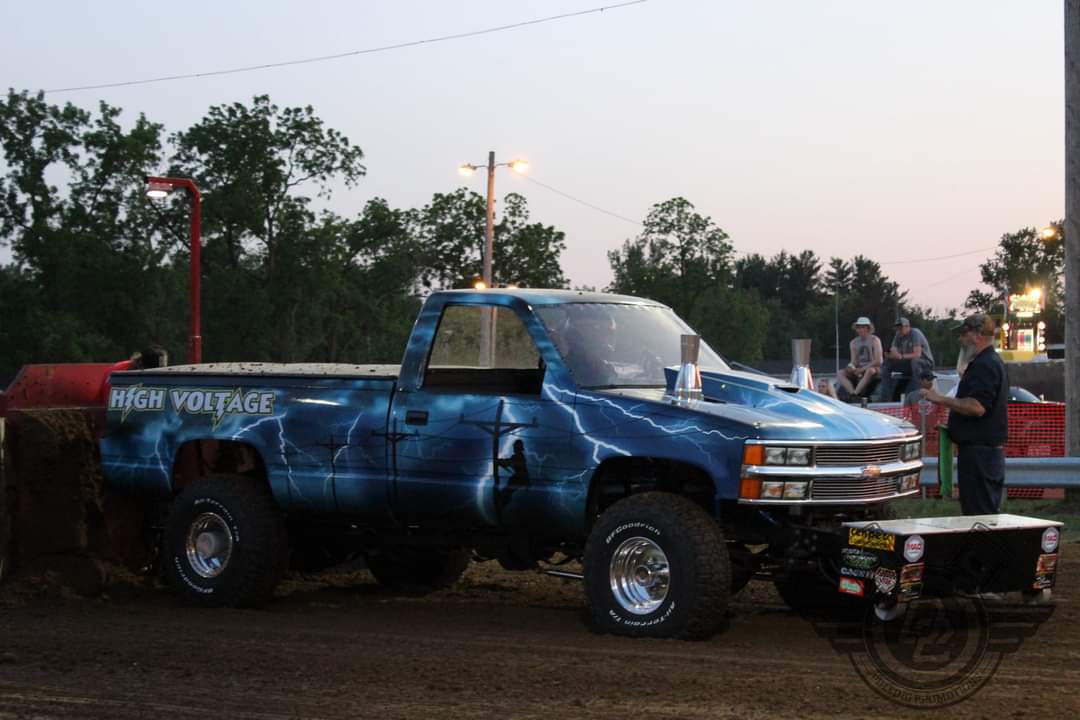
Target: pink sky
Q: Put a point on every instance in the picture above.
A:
(902, 131)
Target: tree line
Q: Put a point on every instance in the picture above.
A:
(98, 271)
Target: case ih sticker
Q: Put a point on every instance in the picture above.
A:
(870, 538)
(219, 404)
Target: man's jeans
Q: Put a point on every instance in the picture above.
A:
(981, 474)
(909, 370)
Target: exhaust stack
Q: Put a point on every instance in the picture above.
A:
(688, 382)
(800, 359)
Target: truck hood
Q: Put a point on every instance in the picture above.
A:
(780, 410)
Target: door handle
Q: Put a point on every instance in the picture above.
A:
(416, 417)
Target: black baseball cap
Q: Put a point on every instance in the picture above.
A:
(927, 375)
(980, 323)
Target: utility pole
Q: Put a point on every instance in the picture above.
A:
(489, 228)
(1072, 227)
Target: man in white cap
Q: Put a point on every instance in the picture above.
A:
(866, 359)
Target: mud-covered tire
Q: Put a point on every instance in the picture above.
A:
(418, 569)
(695, 558)
(233, 512)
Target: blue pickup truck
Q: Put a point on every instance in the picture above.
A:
(522, 425)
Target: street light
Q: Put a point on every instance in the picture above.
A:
(1049, 233)
(487, 323)
(158, 188)
(467, 169)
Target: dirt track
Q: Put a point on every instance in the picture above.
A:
(498, 645)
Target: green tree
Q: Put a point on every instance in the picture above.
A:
(1024, 260)
(450, 231)
(684, 260)
(99, 289)
(267, 263)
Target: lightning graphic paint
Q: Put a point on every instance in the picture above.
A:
(385, 451)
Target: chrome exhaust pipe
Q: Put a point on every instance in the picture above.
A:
(688, 383)
(800, 360)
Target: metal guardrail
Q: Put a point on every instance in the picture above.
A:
(1048, 472)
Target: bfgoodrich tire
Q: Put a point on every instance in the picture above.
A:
(224, 542)
(656, 565)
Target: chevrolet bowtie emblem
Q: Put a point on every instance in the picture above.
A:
(871, 471)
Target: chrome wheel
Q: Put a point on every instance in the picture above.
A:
(639, 575)
(209, 545)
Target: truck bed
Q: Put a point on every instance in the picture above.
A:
(343, 370)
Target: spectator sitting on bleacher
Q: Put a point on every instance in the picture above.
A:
(909, 355)
(866, 359)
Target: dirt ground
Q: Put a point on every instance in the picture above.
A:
(497, 645)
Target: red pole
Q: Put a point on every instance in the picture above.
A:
(195, 351)
(195, 341)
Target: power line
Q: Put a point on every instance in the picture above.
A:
(353, 53)
(943, 257)
(965, 271)
(568, 196)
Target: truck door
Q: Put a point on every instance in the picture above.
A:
(478, 443)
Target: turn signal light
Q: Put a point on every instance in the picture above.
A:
(750, 488)
(753, 455)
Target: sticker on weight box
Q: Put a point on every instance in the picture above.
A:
(871, 538)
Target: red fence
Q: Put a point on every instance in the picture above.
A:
(1035, 430)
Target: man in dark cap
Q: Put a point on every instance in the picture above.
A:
(979, 420)
(909, 356)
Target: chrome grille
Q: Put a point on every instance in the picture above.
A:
(851, 455)
(843, 489)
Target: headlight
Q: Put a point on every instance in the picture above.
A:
(780, 490)
(798, 456)
(772, 490)
(911, 451)
(775, 456)
(795, 490)
(787, 456)
(909, 482)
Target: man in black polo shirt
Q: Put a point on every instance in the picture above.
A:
(979, 420)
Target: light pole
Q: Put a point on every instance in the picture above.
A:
(487, 324)
(467, 169)
(158, 188)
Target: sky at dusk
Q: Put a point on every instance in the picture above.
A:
(902, 131)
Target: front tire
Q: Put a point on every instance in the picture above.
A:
(224, 542)
(656, 565)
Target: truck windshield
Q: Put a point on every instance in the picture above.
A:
(615, 345)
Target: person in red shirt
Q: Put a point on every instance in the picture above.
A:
(153, 356)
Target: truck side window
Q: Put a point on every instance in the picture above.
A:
(463, 357)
